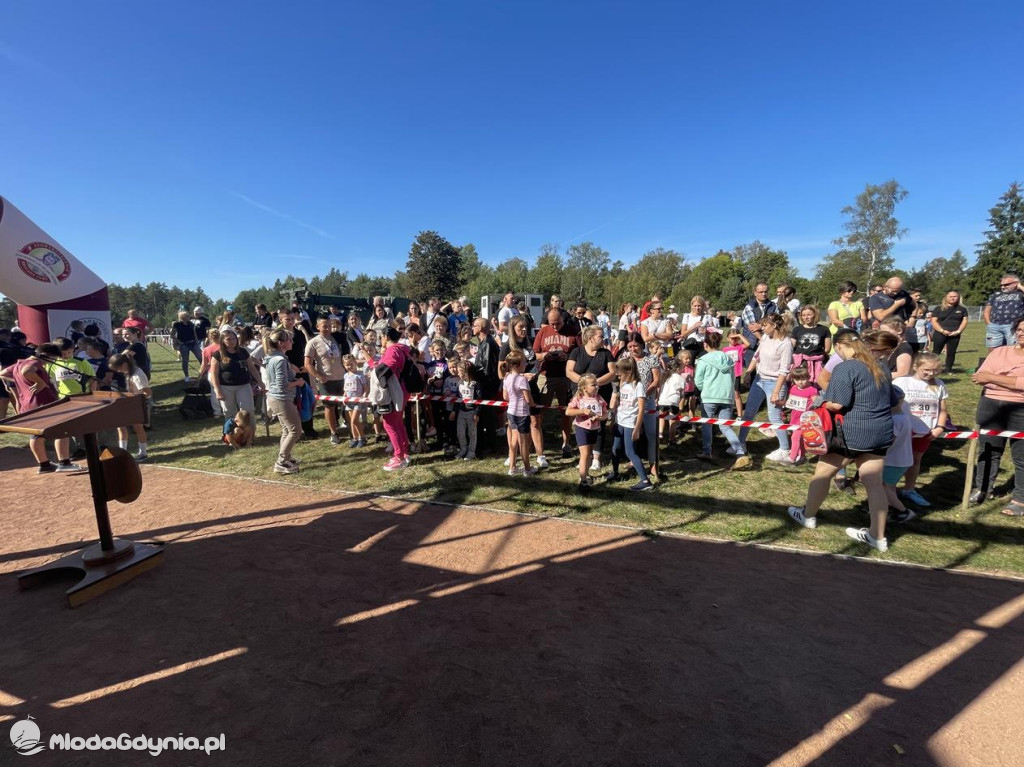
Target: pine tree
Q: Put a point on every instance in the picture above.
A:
(1003, 249)
(434, 267)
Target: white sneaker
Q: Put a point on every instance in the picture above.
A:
(776, 456)
(864, 536)
(529, 472)
(516, 472)
(506, 464)
(797, 514)
(285, 468)
(595, 465)
(542, 462)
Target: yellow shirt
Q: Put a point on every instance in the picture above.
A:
(852, 310)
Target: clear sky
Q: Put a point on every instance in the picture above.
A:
(227, 143)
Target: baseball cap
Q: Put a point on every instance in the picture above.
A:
(229, 308)
(197, 309)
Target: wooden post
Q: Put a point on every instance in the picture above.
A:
(972, 460)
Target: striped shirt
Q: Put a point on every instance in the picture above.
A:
(867, 407)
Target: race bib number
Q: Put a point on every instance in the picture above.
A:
(800, 404)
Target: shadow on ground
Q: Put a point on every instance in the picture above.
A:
(360, 631)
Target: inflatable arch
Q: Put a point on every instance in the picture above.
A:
(50, 286)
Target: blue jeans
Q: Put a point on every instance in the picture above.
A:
(651, 435)
(624, 442)
(761, 392)
(998, 335)
(718, 410)
(196, 348)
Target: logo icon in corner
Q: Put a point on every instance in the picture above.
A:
(43, 262)
(25, 737)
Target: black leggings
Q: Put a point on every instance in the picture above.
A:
(1002, 416)
(950, 343)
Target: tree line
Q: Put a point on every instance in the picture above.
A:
(586, 271)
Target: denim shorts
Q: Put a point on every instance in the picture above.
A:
(998, 335)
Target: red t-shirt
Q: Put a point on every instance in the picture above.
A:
(556, 345)
(138, 323)
(645, 311)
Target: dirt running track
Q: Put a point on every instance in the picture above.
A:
(313, 629)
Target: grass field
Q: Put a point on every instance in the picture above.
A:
(697, 499)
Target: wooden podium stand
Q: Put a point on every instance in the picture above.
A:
(112, 561)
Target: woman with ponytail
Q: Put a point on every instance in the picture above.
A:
(861, 392)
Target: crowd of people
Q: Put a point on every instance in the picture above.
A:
(614, 385)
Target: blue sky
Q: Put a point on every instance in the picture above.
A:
(229, 143)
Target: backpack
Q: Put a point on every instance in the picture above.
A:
(412, 377)
(821, 432)
(384, 395)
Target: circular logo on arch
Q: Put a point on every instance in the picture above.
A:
(44, 263)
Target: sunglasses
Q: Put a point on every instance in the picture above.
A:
(1007, 284)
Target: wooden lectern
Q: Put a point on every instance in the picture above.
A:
(112, 561)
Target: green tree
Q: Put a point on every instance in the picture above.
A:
(8, 313)
(718, 278)
(513, 274)
(472, 267)
(865, 252)
(434, 267)
(1003, 249)
(939, 276)
(365, 286)
(546, 274)
(585, 265)
(759, 263)
(657, 271)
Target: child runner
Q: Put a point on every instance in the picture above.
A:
(898, 458)
(466, 415)
(716, 379)
(138, 384)
(628, 403)
(687, 370)
(354, 386)
(239, 431)
(801, 394)
(450, 388)
(669, 399)
(734, 351)
(517, 392)
(589, 410)
(926, 401)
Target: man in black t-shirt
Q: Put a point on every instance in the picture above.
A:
(893, 300)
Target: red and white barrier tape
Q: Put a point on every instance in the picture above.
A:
(680, 418)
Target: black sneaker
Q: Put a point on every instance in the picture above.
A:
(641, 486)
(901, 517)
(335, 438)
(612, 476)
(46, 468)
(566, 451)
